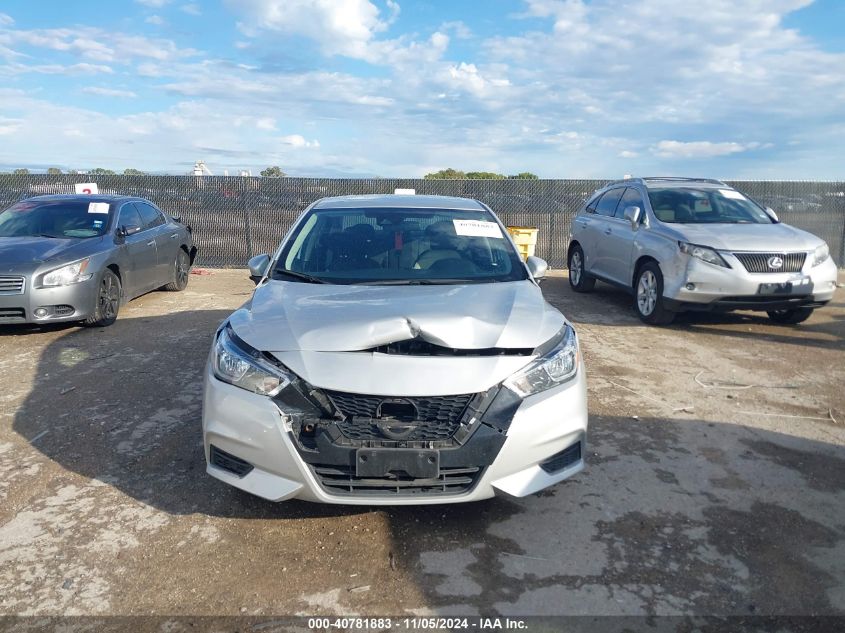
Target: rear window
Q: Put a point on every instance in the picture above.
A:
(55, 219)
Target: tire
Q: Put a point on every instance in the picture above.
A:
(790, 317)
(107, 303)
(648, 296)
(181, 272)
(578, 278)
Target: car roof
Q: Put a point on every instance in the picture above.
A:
(672, 181)
(90, 197)
(393, 201)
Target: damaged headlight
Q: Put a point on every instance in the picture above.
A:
(821, 254)
(66, 275)
(553, 368)
(704, 253)
(239, 365)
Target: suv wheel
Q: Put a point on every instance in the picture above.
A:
(107, 302)
(578, 277)
(790, 317)
(648, 296)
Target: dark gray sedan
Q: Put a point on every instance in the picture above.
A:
(79, 257)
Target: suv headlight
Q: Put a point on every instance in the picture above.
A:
(237, 364)
(821, 254)
(704, 253)
(555, 367)
(66, 275)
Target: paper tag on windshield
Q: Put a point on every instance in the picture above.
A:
(730, 193)
(477, 228)
(98, 207)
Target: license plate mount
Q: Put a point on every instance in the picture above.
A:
(782, 288)
(382, 462)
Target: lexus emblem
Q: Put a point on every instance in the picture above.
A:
(775, 262)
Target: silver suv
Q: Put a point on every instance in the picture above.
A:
(696, 244)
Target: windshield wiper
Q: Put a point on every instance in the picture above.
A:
(300, 276)
(414, 282)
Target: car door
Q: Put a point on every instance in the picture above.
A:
(166, 240)
(139, 252)
(583, 231)
(601, 225)
(617, 245)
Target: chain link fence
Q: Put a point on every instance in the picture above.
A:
(237, 217)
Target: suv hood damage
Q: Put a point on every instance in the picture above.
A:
(748, 237)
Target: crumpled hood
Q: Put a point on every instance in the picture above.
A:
(748, 237)
(18, 254)
(291, 316)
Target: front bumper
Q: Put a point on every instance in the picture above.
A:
(724, 289)
(256, 430)
(74, 302)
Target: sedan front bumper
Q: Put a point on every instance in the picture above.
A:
(544, 444)
(74, 302)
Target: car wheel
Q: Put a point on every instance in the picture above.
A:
(108, 301)
(181, 272)
(790, 317)
(578, 277)
(648, 296)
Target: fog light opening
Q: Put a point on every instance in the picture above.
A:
(40, 312)
(690, 286)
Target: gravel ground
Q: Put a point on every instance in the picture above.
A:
(715, 483)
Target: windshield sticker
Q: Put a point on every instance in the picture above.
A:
(98, 207)
(733, 195)
(477, 228)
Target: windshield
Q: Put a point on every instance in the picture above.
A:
(681, 205)
(58, 219)
(399, 246)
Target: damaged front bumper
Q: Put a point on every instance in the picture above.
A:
(300, 445)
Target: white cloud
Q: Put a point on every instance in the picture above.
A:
(6, 20)
(191, 8)
(109, 92)
(627, 153)
(296, 140)
(56, 69)
(458, 28)
(153, 4)
(700, 149)
(155, 19)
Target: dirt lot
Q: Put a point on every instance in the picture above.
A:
(698, 499)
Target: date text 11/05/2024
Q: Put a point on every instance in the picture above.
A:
(415, 624)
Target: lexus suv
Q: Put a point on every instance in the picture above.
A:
(697, 244)
(396, 350)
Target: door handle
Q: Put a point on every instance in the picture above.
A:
(151, 243)
(608, 231)
(173, 236)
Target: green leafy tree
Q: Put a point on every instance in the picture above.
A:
(524, 175)
(54, 171)
(446, 174)
(21, 171)
(273, 172)
(484, 175)
(133, 172)
(100, 171)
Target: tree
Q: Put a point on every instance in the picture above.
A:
(133, 172)
(525, 175)
(273, 172)
(100, 171)
(484, 175)
(21, 172)
(446, 174)
(54, 171)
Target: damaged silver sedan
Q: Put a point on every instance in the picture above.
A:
(396, 350)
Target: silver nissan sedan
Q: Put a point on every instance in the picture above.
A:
(396, 350)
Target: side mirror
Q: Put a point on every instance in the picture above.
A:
(771, 213)
(632, 214)
(128, 229)
(537, 267)
(258, 266)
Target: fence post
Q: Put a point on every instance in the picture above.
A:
(247, 218)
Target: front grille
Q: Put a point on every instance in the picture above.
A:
(341, 480)
(759, 262)
(229, 462)
(435, 417)
(559, 461)
(12, 314)
(11, 285)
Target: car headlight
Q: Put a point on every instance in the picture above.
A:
(703, 253)
(66, 275)
(237, 364)
(555, 367)
(821, 254)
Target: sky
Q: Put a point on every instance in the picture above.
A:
(741, 89)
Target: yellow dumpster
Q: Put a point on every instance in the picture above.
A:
(525, 238)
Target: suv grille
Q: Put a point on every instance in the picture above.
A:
(11, 285)
(342, 480)
(760, 262)
(435, 417)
